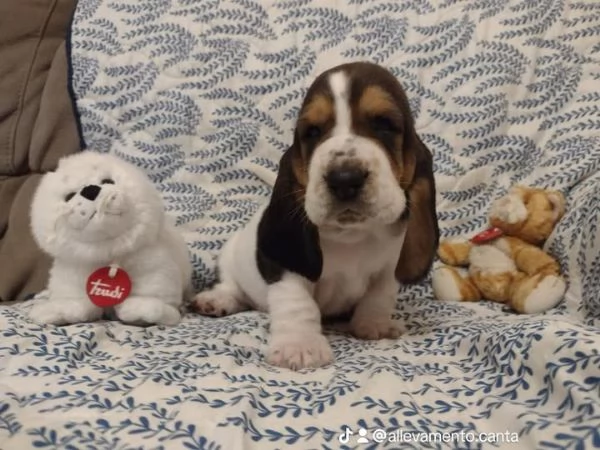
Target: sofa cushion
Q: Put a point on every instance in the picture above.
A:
(37, 127)
(31, 32)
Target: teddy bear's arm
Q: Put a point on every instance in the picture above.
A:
(454, 253)
(528, 258)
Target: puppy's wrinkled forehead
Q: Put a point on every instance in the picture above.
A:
(342, 99)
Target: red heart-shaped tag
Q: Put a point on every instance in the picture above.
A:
(486, 236)
(105, 291)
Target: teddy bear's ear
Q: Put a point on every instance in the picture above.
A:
(558, 202)
(519, 190)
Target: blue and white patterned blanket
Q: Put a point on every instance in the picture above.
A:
(202, 94)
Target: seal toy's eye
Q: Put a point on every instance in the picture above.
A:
(69, 196)
(107, 181)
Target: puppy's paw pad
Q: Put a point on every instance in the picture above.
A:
(299, 351)
(216, 304)
(377, 330)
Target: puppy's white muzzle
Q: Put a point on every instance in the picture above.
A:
(351, 184)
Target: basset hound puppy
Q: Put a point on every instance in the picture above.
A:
(352, 214)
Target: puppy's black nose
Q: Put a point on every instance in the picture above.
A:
(345, 183)
(90, 192)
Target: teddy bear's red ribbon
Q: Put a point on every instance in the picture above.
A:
(486, 236)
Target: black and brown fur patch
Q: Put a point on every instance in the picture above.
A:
(317, 112)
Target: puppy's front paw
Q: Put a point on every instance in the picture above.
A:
(299, 350)
(217, 303)
(64, 312)
(148, 311)
(375, 329)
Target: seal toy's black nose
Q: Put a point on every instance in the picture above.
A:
(90, 192)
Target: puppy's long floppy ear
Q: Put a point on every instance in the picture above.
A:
(422, 236)
(287, 240)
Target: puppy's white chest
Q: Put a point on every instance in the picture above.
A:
(348, 271)
(339, 292)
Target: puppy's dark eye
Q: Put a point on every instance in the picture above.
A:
(382, 124)
(107, 181)
(69, 196)
(312, 133)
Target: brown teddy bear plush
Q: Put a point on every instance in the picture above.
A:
(506, 263)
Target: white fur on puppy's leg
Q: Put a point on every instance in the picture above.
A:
(223, 299)
(147, 310)
(296, 338)
(375, 328)
(64, 311)
(545, 296)
(372, 318)
(298, 350)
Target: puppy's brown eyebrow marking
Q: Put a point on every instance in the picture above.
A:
(375, 100)
(319, 110)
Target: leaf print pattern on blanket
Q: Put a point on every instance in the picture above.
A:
(202, 95)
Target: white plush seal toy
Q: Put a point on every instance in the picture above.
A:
(104, 224)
